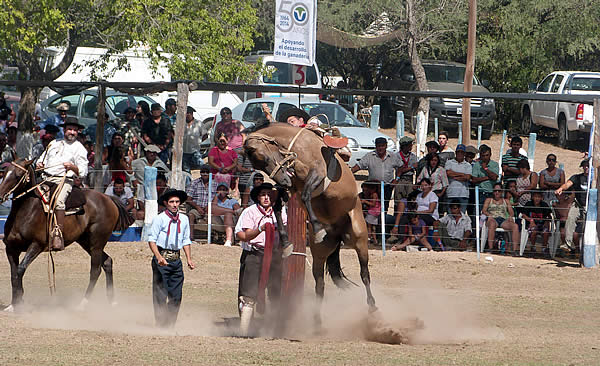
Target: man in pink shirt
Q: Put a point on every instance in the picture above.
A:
(250, 230)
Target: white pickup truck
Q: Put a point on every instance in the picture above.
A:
(569, 118)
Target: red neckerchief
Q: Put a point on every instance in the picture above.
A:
(403, 159)
(174, 219)
(264, 213)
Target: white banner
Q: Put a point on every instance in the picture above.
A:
(295, 31)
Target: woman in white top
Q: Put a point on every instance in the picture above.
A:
(427, 206)
(435, 173)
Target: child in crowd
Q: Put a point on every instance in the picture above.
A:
(537, 214)
(561, 208)
(417, 233)
(370, 201)
(225, 211)
(511, 193)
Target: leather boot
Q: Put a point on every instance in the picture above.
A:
(58, 243)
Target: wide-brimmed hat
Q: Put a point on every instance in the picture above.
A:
(472, 149)
(63, 107)
(152, 148)
(171, 193)
(51, 129)
(296, 112)
(71, 121)
(256, 190)
(432, 143)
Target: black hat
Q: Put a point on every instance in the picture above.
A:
(432, 144)
(51, 129)
(155, 107)
(256, 190)
(71, 121)
(584, 162)
(296, 112)
(190, 109)
(173, 192)
(170, 101)
(380, 140)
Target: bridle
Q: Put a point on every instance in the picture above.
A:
(25, 178)
(289, 157)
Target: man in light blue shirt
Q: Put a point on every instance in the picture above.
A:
(169, 233)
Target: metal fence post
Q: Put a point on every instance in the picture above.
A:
(479, 128)
(375, 117)
(356, 110)
(209, 235)
(477, 229)
(460, 136)
(502, 152)
(399, 128)
(382, 198)
(436, 127)
(531, 150)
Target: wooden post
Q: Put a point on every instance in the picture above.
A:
(294, 266)
(595, 167)
(99, 147)
(177, 181)
(469, 72)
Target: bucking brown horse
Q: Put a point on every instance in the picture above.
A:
(26, 228)
(299, 160)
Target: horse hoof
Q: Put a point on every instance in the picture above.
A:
(9, 309)
(82, 305)
(320, 236)
(287, 251)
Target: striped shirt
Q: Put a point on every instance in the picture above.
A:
(198, 191)
(511, 161)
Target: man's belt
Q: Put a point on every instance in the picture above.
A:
(169, 255)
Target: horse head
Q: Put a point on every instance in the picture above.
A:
(268, 155)
(17, 175)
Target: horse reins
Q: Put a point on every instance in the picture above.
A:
(289, 156)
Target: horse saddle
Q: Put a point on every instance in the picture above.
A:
(74, 203)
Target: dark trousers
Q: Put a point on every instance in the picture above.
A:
(167, 286)
(250, 269)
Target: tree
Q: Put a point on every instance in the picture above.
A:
(197, 39)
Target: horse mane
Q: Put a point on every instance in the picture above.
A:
(259, 126)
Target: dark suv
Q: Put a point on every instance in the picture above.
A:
(442, 76)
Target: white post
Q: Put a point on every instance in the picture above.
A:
(375, 118)
(460, 133)
(477, 229)
(209, 234)
(502, 152)
(399, 128)
(150, 199)
(382, 219)
(479, 128)
(436, 127)
(531, 150)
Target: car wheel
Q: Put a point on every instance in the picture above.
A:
(563, 134)
(527, 125)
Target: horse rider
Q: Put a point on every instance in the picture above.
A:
(250, 230)
(169, 234)
(63, 160)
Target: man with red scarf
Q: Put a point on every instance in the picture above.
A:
(169, 234)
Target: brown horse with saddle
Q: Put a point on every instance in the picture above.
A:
(298, 159)
(90, 224)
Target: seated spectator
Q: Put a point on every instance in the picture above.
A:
(459, 175)
(432, 147)
(417, 233)
(257, 179)
(117, 141)
(511, 159)
(500, 213)
(157, 131)
(230, 128)
(371, 201)
(197, 193)
(435, 173)
(138, 165)
(245, 173)
(511, 193)
(551, 179)
(537, 216)
(526, 182)
(7, 152)
(402, 209)
(455, 227)
(123, 193)
(225, 211)
(119, 164)
(427, 207)
(45, 139)
(222, 160)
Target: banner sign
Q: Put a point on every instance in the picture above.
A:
(295, 31)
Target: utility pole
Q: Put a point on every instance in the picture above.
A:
(469, 72)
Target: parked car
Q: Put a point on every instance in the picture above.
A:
(361, 139)
(84, 104)
(443, 76)
(568, 118)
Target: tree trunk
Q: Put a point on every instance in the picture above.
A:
(25, 138)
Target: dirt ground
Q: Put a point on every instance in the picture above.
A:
(509, 311)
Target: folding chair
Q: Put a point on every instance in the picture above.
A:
(484, 233)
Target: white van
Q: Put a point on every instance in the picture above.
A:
(283, 74)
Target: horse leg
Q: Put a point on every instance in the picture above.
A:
(95, 269)
(313, 179)
(17, 271)
(107, 266)
(318, 270)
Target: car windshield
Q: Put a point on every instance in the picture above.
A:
(336, 115)
(447, 74)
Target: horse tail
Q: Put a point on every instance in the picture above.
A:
(125, 219)
(334, 267)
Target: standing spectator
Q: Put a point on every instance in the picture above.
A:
(131, 129)
(171, 111)
(509, 139)
(123, 193)
(222, 160)
(370, 200)
(459, 175)
(40, 147)
(470, 154)
(116, 142)
(224, 210)
(406, 171)
(432, 147)
(59, 118)
(537, 215)
(192, 136)
(109, 131)
(230, 128)
(500, 213)
(169, 233)
(245, 172)
(7, 115)
(138, 165)
(485, 173)
(446, 152)
(455, 228)
(143, 109)
(511, 159)
(119, 164)
(6, 151)
(435, 173)
(198, 198)
(156, 131)
(380, 164)
(11, 134)
(551, 179)
(526, 182)
(578, 184)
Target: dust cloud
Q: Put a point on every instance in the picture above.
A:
(421, 314)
